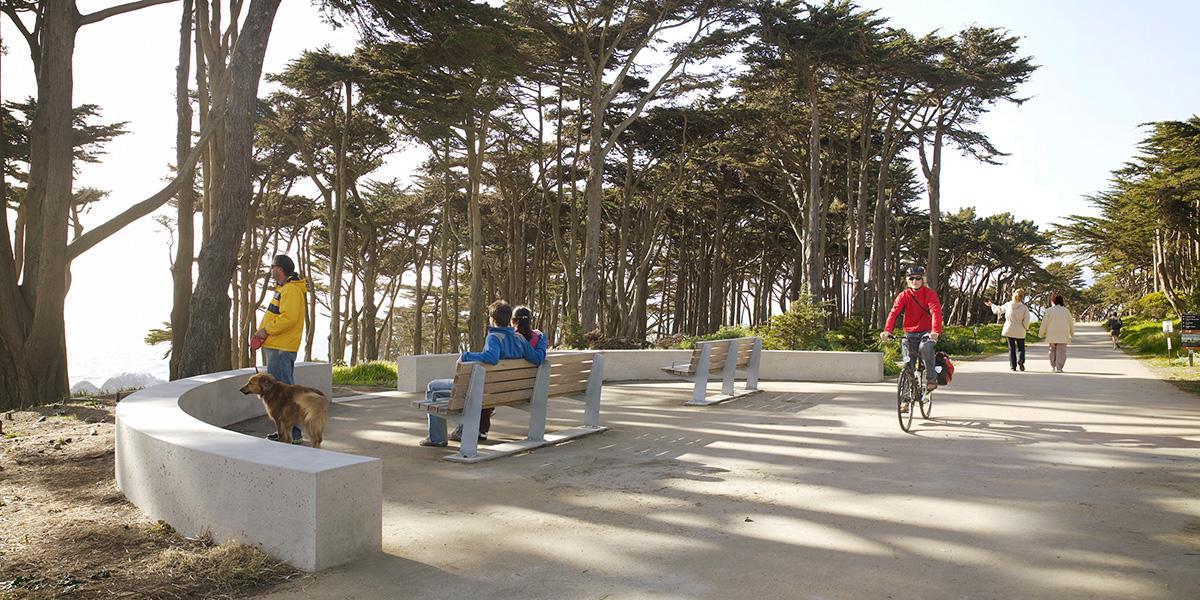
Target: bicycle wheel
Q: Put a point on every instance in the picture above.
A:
(927, 404)
(905, 388)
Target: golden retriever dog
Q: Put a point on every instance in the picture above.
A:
(290, 405)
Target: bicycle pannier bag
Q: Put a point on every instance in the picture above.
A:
(944, 368)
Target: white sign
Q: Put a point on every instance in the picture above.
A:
(1168, 326)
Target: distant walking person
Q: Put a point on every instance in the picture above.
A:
(282, 325)
(1058, 326)
(1114, 329)
(1016, 325)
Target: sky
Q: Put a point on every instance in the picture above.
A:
(1106, 67)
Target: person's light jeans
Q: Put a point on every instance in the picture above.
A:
(281, 364)
(919, 343)
(436, 390)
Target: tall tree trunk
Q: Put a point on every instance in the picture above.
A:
(181, 270)
(476, 137)
(814, 255)
(337, 342)
(205, 350)
(592, 278)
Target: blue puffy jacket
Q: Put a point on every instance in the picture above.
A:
(503, 343)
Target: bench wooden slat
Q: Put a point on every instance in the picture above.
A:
(570, 370)
(507, 397)
(567, 387)
(490, 387)
(570, 358)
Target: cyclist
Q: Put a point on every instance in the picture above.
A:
(922, 323)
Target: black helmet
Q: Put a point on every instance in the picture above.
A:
(916, 270)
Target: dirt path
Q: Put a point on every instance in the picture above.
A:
(1024, 485)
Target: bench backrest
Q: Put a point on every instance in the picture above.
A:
(719, 352)
(569, 372)
(507, 382)
(512, 381)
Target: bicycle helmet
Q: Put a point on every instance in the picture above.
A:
(916, 270)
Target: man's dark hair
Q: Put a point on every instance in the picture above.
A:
(283, 262)
(1056, 299)
(501, 313)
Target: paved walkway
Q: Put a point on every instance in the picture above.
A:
(1024, 485)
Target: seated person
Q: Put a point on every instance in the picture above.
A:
(502, 342)
(523, 322)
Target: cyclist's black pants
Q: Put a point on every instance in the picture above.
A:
(919, 343)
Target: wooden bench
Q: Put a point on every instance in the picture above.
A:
(726, 356)
(519, 384)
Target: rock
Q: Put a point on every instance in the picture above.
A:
(85, 388)
(129, 381)
(94, 432)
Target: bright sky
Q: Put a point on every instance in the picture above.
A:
(1106, 67)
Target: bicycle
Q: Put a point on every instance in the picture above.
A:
(910, 390)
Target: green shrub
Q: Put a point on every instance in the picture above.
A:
(726, 332)
(1145, 336)
(1153, 306)
(802, 327)
(891, 358)
(379, 372)
(856, 334)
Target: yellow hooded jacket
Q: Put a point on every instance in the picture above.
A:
(284, 319)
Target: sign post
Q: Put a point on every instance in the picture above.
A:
(1189, 327)
(1168, 329)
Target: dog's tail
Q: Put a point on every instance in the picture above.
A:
(316, 413)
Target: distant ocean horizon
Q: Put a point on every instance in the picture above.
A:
(96, 360)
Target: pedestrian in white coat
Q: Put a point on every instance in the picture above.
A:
(1058, 326)
(1016, 325)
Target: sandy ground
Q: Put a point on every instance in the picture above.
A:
(1023, 485)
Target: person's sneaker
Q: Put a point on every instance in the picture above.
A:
(930, 386)
(456, 435)
(904, 408)
(1021, 366)
(1012, 368)
(431, 444)
(274, 437)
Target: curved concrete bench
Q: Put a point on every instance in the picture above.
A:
(414, 372)
(311, 508)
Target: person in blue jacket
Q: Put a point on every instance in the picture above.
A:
(502, 342)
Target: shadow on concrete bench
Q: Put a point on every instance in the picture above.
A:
(522, 385)
(726, 356)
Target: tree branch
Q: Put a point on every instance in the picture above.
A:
(120, 9)
(96, 235)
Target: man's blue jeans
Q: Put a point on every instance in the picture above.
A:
(438, 389)
(282, 366)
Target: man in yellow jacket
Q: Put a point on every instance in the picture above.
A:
(282, 325)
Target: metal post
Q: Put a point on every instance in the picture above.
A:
(700, 390)
(729, 373)
(591, 411)
(752, 368)
(474, 405)
(539, 403)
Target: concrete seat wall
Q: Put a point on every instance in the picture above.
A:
(414, 372)
(311, 508)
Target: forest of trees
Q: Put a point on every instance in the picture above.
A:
(638, 168)
(1146, 239)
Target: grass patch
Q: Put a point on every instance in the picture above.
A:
(1144, 339)
(380, 373)
(223, 568)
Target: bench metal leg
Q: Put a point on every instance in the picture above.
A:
(700, 390)
(469, 446)
(539, 404)
(729, 373)
(752, 368)
(591, 411)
